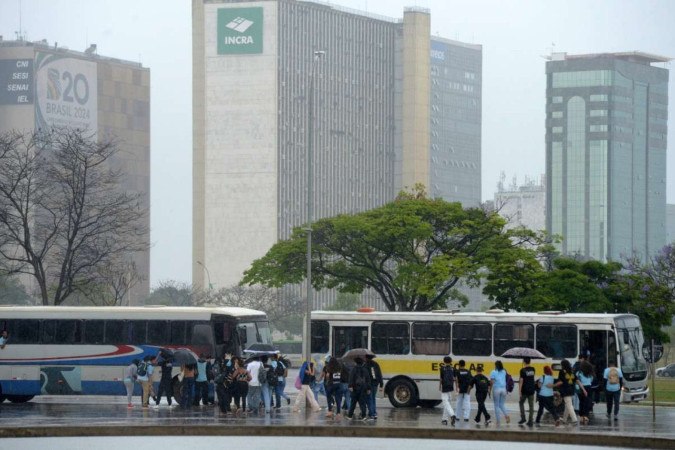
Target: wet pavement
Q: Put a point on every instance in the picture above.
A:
(81, 416)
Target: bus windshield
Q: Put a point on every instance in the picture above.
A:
(254, 333)
(629, 335)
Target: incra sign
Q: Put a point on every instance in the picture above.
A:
(240, 31)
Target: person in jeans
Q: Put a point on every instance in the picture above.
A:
(281, 372)
(527, 389)
(566, 382)
(546, 383)
(360, 384)
(482, 385)
(447, 387)
(463, 376)
(130, 379)
(188, 390)
(332, 375)
(613, 378)
(307, 377)
(498, 388)
(201, 382)
(265, 388)
(376, 382)
(254, 388)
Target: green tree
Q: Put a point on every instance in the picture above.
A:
(345, 302)
(171, 293)
(412, 252)
(13, 293)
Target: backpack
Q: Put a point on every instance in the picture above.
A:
(271, 376)
(613, 376)
(448, 376)
(509, 383)
(142, 369)
(280, 370)
(360, 377)
(262, 374)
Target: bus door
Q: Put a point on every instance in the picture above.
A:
(599, 343)
(348, 337)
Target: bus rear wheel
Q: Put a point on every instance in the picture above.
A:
(402, 394)
(20, 398)
(428, 403)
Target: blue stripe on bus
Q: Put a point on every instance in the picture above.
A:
(20, 387)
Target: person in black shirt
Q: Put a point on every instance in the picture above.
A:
(527, 390)
(447, 386)
(566, 381)
(482, 385)
(463, 388)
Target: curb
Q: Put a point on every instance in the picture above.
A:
(352, 431)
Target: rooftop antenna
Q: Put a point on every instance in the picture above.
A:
(20, 37)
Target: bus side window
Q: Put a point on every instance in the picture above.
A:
(431, 338)
(68, 332)
(472, 339)
(93, 331)
(177, 332)
(115, 332)
(137, 331)
(390, 338)
(158, 332)
(23, 331)
(201, 334)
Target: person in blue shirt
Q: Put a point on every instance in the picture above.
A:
(585, 376)
(201, 382)
(613, 383)
(498, 383)
(545, 397)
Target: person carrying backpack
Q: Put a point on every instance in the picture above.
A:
(281, 372)
(360, 383)
(447, 387)
(482, 385)
(613, 383)
(306, 376)
(332, 376)
(567, 381)
(144, 379)
(267, 380)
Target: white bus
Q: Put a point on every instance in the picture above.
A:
(84, 350)
(411, 345)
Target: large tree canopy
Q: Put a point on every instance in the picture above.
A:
(412, 252)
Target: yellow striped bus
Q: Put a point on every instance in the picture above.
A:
(411, 345)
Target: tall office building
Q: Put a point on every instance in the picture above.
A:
(524, 205)
(392, 107)
(45, 85)
(606, 133)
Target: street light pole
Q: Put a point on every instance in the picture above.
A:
(208, 275)
(307, 329)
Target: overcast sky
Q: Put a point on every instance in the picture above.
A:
(514, 34)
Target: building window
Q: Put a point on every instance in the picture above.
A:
(598, 128)
(599, 97)
(557, 114)
(582, 78)
(556, 99)
(557, 130)
(598, 112)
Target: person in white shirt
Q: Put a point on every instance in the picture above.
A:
(254, 388)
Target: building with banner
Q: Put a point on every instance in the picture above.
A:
(45, 86)
(393, 107)
(606, 130)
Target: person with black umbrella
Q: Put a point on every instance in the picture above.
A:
(360, 383)
(165, 381)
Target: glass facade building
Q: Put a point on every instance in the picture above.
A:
(606, 154)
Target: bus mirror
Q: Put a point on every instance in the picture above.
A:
(626, 337)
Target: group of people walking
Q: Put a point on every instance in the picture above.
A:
(577, 381)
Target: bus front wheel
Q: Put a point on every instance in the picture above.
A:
(402, 394)
(20, 398)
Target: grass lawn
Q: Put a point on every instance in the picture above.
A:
(665, 390)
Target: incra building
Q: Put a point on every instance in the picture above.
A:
(393, 107)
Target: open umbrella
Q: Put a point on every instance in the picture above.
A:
(522, 352)
(183, 356)
(357, 353)
(261, 349)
